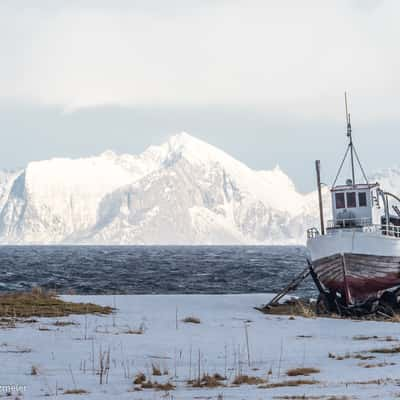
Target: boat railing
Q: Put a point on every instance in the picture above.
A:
(364, 225)
(360, 225)
(349, 223)
(385, 229)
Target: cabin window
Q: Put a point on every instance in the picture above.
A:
(362, 199)
(351, 199)
(339, 199)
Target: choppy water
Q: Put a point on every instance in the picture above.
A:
(151, 269)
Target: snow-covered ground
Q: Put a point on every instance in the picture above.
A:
(64, 356)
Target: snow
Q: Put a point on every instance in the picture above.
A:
(389, 179)
(63, 355)
(184, 191)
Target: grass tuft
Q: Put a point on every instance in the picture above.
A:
(39, 303)
(134, 332)
(346, 356)
(34, 370)
(75, 391)
(64, 323)
(386, 350)
(155, 370)
(364, 337)
(209, 381)
(302, 371)
(298, 382)
(139, 378)
(382, 364)
(248, 380)
(158, 386)
(191, 320)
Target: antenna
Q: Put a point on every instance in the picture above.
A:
(350, 149)
(348, 122)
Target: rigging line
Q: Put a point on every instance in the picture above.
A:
(360, 165)
(341, 165)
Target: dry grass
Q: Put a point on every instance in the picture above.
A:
(147, 385)
(386, 350)
(139, 378)
(64, 323)
(346, 356)
(134, 332)
(395, 318)
(293, 307)
(378, 365)
(17, 350)
(191, 320)
(248, 380)
(75, 391)
(39, 303)
(383, 339)
(158, 386)
(307, 309)
(371, 382)
(363, 357)
(363, 337)
(298, 382)
(155, 370)
(165, 386)
(302, 371)
(209, 381)
(339, 357)
(34, 370)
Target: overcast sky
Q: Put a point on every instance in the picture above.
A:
(262, 79)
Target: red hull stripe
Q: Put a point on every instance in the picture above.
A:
(365, 274)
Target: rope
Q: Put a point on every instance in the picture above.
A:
(361, 167)
(341, 165)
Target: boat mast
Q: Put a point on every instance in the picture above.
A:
(352, 150)
(351, 147)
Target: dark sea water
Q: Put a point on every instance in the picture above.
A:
(152, 269)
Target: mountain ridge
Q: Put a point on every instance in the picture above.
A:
(183, 191)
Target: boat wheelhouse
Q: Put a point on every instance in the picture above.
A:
(363, 206)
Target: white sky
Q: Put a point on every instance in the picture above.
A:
(286, 60)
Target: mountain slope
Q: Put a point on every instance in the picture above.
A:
(52, 199)
(201, 195)
(184, 191)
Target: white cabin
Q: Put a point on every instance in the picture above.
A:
(356, 205)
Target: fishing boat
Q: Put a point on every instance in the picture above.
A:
(357, 255)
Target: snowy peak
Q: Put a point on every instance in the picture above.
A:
(198, 152)
(184, 191)
(273, 187)
(389, 179)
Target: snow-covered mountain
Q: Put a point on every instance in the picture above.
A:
(182, 192)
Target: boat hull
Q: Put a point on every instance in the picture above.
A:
(356, 264)
(358, 276)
